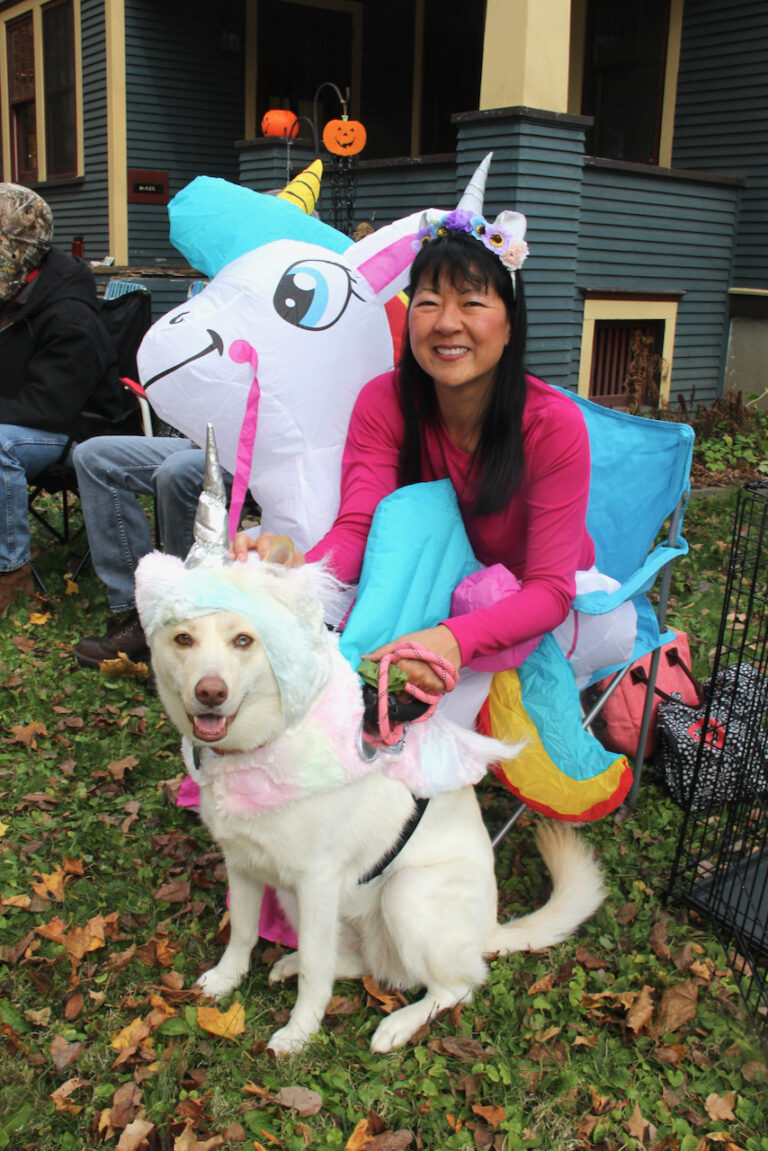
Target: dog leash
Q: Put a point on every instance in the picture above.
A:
(385, 715)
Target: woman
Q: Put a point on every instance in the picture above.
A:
(460, 405)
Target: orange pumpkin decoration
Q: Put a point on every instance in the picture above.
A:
(344, 137)
(280, 122)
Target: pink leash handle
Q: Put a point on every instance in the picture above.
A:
(390, 734)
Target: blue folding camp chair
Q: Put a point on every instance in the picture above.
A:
(639, 484)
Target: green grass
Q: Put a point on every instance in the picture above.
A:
(549, 1055)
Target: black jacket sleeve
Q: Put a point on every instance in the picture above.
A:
(70, 356)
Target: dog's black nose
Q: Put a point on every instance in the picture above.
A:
(211, 690)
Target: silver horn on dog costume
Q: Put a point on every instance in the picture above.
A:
(211, 528)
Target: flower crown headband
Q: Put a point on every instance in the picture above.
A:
(504, 236)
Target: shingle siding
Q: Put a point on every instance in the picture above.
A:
(184, 109)
(721, 120)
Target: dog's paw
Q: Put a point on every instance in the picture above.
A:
(393, 1032)
(285, 968)
(217, 983)
(287, 1041)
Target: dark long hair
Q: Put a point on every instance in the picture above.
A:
(499, 452)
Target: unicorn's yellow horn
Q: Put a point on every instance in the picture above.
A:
(304, 189)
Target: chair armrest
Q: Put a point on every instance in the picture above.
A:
(600, 602)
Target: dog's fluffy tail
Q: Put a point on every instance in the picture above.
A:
(577, 892)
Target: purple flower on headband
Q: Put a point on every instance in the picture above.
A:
(459, 220)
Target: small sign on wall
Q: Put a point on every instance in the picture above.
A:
(145, 187)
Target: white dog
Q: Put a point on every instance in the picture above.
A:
(270, 713)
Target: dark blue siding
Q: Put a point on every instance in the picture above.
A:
(721, 121)
(654, 234)
(185, 101)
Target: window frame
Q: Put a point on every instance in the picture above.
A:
(8, 17)
(628, 308)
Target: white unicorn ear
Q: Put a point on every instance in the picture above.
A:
(384, 258)
(513, 224)
(158, 578)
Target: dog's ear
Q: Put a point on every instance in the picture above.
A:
(281, 552)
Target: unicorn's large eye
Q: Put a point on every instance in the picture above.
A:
(313, 294)
(179, 319)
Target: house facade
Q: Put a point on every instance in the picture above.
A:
(632, 135)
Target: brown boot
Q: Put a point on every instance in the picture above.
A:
(15, 585)
(126, 635)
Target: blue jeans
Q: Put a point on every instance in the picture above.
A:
(24, 453)
(112, 472)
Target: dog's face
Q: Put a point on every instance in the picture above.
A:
(216, 682)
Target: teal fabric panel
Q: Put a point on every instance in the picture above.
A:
(417, 553)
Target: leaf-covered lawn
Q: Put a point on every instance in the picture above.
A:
(113, 900)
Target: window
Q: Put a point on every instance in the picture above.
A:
(41, 53)
(21, 83)
(622, 333)
(626, 362)
(59, 64)
(624, 75)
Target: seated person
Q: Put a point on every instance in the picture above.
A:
(112, 472)
(56, 357)
(516, 451)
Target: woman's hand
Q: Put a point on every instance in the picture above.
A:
(437, 640)
(267, 546)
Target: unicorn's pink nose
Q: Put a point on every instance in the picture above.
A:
(244, 353)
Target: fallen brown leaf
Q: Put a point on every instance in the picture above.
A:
(176, 891)
(27, 733)
(63, 1054)
(658, 940)
(134, 1135)
(228, 1024)
(391, 1141)
(122, 666)
(388, 1001)
(359, 1138)
(300, 1099)
(491, 1114)
(125, 1103)
(721, 1106)
(118, 767)
(51, 885)
(188, 1141)
(677, 1007)
(640, 1013)
(61, 1097)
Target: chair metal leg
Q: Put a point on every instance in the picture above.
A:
(509, 824)
(39, 580)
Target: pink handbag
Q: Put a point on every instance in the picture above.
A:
(622, 713)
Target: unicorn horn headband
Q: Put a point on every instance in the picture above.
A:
(504, 236)
(211, 531)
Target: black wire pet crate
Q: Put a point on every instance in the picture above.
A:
(721, 863)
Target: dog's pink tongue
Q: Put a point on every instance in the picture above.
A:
(210, 727)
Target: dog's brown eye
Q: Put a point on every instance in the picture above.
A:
(243, 640)
(183, 639)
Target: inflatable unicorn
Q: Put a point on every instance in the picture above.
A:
(274, 351)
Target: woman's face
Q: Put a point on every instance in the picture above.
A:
(457, 335)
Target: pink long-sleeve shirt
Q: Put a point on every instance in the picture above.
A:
(540, 536)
